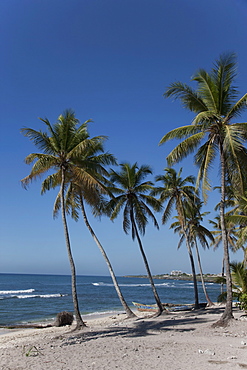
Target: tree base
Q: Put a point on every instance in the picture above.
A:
(223, 322)
(131, 315)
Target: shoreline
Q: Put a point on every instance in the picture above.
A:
(43, 324)
(184, 340)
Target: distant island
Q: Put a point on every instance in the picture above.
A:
(178, 275)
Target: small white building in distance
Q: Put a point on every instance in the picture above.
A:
(176, 272)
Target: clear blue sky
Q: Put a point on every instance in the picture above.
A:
(109, 61)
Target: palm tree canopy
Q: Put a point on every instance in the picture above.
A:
(66, 145)
(231, 233)
(176, 191)
(196, 230)
(132, 194)
(215, 105)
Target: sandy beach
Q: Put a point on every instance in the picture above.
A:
(177, 341)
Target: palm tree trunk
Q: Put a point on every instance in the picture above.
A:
(222, 274)
(193, 270)
(156, 296)
(210, 303)
(119, 293)
(227, 314)
(79, 321)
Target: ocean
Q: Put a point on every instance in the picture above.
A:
(26, 298)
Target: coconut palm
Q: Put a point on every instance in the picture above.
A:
(131, 196)
(193, 242)
(215, 105)
(197, 231)
(77, 195)
(177, 192)
(62, 145)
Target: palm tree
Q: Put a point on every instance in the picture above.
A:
(77, 195)
(62, 147)
(131, 197)
(215, 105)
(177, 193)
(231, 234)
(197, 231)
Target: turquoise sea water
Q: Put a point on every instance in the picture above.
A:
(31, 298)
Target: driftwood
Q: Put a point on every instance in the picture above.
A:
(26, 326)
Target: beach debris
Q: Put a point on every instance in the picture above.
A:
(31, 351)
(243, 343)
(218, 362)
(206, 352)
(64, 318)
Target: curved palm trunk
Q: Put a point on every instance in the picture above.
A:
(119, 293)
(227, 314)
(156, 296)
(210, 303)
(79, 321)
(193, 270)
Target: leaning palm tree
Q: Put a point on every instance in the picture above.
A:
(215, 105)
(77, 196)
(131, 196)
(177, 193)
(62, 146)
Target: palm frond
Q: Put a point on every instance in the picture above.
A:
(185, 148)
(237, 108)
(189, 98)
(204, 159)
(180, 133)
(206, 90)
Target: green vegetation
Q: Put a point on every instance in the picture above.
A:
(239, 279)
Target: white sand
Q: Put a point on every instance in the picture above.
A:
(178, 341)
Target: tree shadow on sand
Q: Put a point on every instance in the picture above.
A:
(143, 327)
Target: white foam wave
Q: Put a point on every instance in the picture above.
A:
(40, 296)
(16, 291)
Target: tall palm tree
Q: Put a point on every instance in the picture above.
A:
(77, 195)
(215, 105)
(177, 193)
(62, 145)
(131, 196)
